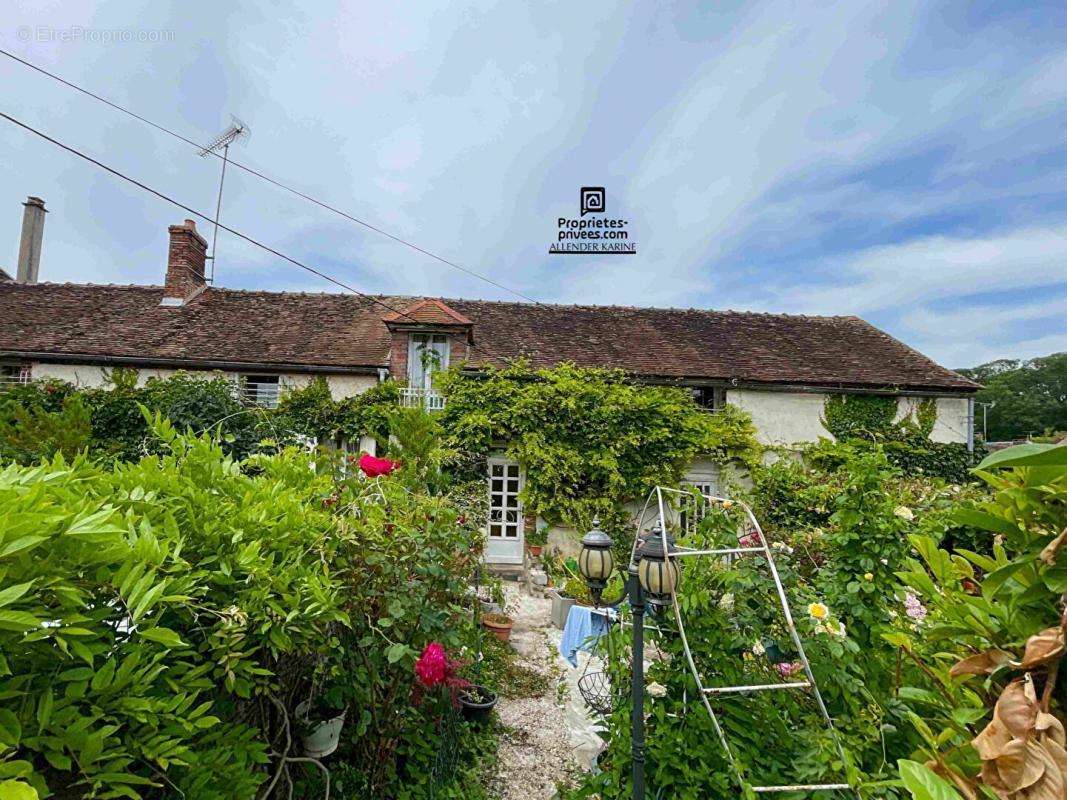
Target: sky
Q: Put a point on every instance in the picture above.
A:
(901, 161)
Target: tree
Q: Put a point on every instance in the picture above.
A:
(1030, 396)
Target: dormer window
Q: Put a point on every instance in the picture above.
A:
(427, 354)
(423, 335)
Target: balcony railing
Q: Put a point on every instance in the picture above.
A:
(14, 376)
(414, 397)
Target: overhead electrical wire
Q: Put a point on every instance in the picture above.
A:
(268, 179)
(237, 233)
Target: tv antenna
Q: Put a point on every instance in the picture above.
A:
(237, 131)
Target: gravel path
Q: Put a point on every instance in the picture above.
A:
(534, 754)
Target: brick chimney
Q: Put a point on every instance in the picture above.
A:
(185, 265)
(30, 241)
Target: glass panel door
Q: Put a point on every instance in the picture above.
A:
(506, 527)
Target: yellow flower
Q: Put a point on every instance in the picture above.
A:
(818, 610)
(868, 576)
(727, 503)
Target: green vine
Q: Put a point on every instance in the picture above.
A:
(589, 439)
(871, 417)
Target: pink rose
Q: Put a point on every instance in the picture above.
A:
(432, 666)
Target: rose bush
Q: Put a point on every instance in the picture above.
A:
(161, 620)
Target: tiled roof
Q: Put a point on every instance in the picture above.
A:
(347, 331)
(429, 311)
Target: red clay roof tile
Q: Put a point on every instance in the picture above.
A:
(343, 330)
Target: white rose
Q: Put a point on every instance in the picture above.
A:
(656, 690)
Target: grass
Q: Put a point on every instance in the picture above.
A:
(502, 672)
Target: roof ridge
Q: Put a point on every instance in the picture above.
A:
(447, 300)
(676, 309)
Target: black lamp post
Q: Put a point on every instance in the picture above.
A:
(651, 574)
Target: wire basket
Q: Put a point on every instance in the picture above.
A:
(598, 693)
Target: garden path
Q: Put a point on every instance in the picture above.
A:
(534, 754)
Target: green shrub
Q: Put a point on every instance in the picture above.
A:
(590, 439)
(32, 432)
(160, 620)
(982, 632)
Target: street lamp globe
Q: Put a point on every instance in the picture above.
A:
(658, 573)
(596, 561)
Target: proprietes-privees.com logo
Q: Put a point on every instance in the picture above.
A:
(596, 236)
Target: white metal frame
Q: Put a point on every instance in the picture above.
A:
(262, 393)
(14, 374)
(417, 397)
(656, 502)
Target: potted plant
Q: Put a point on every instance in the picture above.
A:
(477, 703)
(320, 728)
(499, 624)
(573, 592)
(491, 596)
(536, 540)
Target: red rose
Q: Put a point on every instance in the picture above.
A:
(373, 467)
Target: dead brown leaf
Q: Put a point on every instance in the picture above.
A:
(982, 663)
(1022, 747)
(1043, 647)
(1048, 555)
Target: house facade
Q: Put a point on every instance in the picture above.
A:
(779, 368)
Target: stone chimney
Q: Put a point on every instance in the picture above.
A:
(30, 243)
(186, 258)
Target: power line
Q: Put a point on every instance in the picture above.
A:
(206, 218)
(268, 179)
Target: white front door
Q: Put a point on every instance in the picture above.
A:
(505, 537)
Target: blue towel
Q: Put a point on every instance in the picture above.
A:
(582, 630)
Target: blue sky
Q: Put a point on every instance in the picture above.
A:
(900, 161)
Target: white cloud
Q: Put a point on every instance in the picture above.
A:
(469, 128)
(935, 268)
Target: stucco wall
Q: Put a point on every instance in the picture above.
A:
(786, 418)
(952, 417)
(88, 377)
(782, 418)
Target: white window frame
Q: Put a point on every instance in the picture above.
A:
(258, 397)
(420, 376)
(705, 483)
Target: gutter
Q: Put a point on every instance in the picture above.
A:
(188, 363)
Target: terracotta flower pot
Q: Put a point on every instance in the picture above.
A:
(535, 550)
(499, 628)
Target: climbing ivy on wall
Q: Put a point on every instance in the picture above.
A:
(590, 439)
(859, 419)
(873, 417)
(312, 411)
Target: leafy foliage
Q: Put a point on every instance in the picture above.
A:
(312, 411)
(1030, 396)
(40, 419)
(590, 439)
(988, 641)
(161, 620)
(868, 420)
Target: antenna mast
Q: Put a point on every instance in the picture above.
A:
(237, 131)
